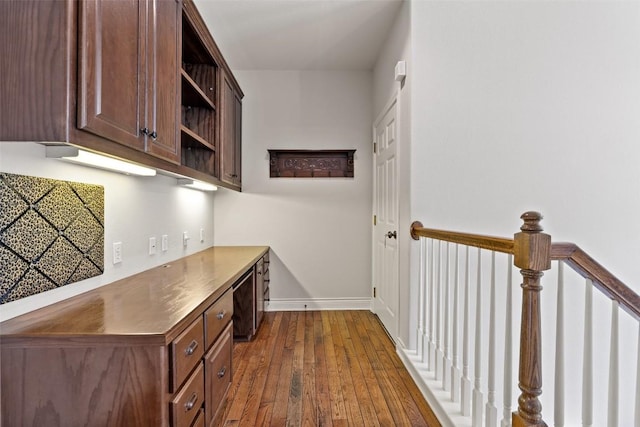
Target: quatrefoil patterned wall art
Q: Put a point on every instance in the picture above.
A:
(51, 234)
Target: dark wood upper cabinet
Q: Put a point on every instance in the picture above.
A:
(111, 70)
(231, 144)
(137, 79)
(37, 64)
(127, 73)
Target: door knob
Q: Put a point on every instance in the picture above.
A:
(392, 234)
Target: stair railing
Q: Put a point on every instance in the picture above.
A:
(532, 252)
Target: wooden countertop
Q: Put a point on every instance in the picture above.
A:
(148, 307)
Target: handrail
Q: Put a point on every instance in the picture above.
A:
(570, 253)
(602, 279)
(498, 244)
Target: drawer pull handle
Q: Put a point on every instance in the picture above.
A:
(222, 371)
(220, 315)
(192, 348)
(192, 402)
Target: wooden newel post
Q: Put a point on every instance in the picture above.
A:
(532, 254)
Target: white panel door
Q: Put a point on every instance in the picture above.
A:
(385, 256)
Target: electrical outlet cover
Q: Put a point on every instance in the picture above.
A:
(152, 245)
(117, 252)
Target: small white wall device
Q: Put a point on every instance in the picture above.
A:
(401, 71)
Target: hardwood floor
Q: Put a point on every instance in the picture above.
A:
(322, 368)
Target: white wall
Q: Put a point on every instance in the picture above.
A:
(318, 229)
(398, 48)
(530, 105)
(136, 208)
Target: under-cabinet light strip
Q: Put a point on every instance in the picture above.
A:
(196, 185)
(87, 158)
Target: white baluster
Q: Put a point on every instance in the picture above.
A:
(558, 408)
(476, 416)
(421, 300)
(636, 422)
(587, 367)
(612, 410)
(455, 369)
(438, 302)
(465, 386)
(492, 410)
(432, 309)
(508, 351)
(446, 360)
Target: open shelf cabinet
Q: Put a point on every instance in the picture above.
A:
(198, 128)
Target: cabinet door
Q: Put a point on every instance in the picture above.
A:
(237, 138)
(111, 84)
(244, 292)
(165, 17)
(228, 130)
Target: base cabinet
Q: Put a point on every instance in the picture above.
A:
(154, 349)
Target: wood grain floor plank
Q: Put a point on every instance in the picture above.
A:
(309, 404)
(363, 396)
(263, 352)
(269, 395)
(329, 368)
(338, 408)
(280, 404)
(321, 383)
(294, 408)
(344, 372)
(363, 347)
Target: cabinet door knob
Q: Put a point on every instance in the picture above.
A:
(191, 402)
(144, 131)
(220, 315)
(153, 135)
(222, 371)
(192, 347)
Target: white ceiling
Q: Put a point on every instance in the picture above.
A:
(299, 34)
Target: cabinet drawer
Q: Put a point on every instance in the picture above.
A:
(218, 372)
(186, 351)
(218, 316)
(187, 402)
